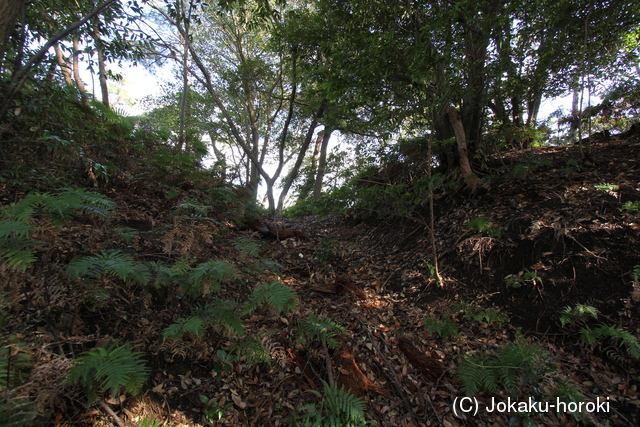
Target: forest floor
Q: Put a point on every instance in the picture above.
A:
(513, 255)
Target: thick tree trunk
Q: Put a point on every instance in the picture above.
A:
(322, 163)
(9, 10)
(458, 128)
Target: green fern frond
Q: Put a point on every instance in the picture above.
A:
(321, 328)
(277, 295)
(14, 229)
(443, 328)
(115, 263)
(478, 375)
(577, 314)
(246, 247)
(192, 325)
(625, 338)
(14, 361)
(17, 411)
(194, 208)
(253, 350)
(110, 367)
(58, 207)
(338, 408)
(209, 274)
(263, 264)
(222, 314)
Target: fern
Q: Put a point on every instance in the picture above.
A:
(478, 375)
(253, 350)
(58, 207)
(17, 411)
(321, 328)
(625, 338)
(115, 263)
(246, 247)
(577, 314)
(443, 328)
(223, 314)
(110, 367)
(14, 361)
(516, 365)
(195, 209)
(277, 295)
(209, 275)
(191, 325)
(338, 408)
(15, 227)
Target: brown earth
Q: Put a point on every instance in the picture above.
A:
(557, 235)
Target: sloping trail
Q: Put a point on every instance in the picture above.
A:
(562, 222)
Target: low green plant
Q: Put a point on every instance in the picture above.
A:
(444, 328)
(602, 332)
(14, 364)
(246, 247)
(326, 250)
(564, 392)
(573, 166)
(515, 366)
(149, 422)
(606, 187)
(15, 220)
(212, 410)
(480, 223)
(579, 313)
(321, 328)
(489, 315)
(525, 276)
(115, 263)
(276, 295)
(630, 206)
(109, 367)
(484, 224)
(337, 407)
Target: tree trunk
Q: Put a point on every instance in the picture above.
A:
(102, 68)
(293, 174)
(322, 163)
(184, 101)
(458, 128)
(76, 71)
(64, 65)
(20, 76)
(9, 10)
(575, 113)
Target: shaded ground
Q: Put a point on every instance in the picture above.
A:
(554, 234)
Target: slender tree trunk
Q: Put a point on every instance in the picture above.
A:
(102, 68)
(184, 101)
(463, 155)
(322, 163)
(76, 71)
(575, 112)
(293, 174)
(309, 182)
(64, 65)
